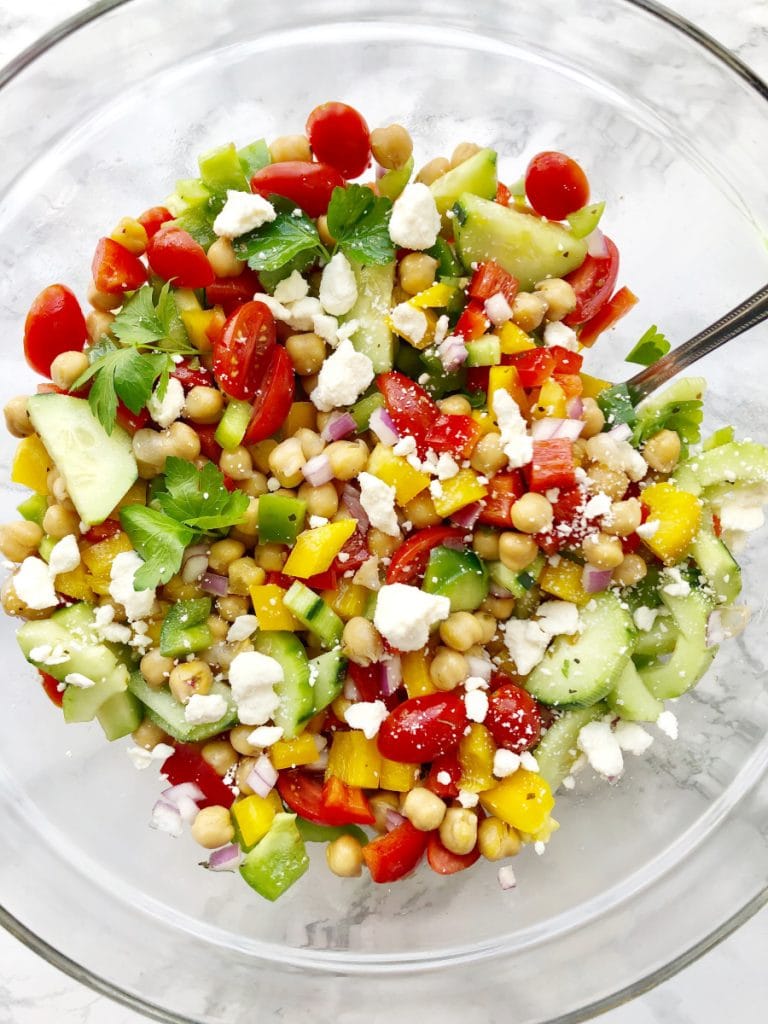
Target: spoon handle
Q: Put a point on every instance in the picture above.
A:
(748, 314)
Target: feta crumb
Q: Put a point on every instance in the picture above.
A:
(528, 761)
(475, 683)
(344, 376)
(644, 618)
(646, 530)
(678, 587)
(436, 490)
(467, 799)
(291, 288)
(476, 704)
(405, 446)
(137, 603)
(242, 212)
(409, 322)
(557, 617)
(202, 708)
(618, 455)
(497, 309)
(366, 715)
(243, 627)
(346, 331)
(79, 680)
(368, 574)
(33, 584)
(265, 735)
(338, 287)
(526, 642)
(167, 410)
(444, 778)
(539, 847)
(404, 615)
(598, 505)
(378, 501)
(667, 722)
(143, 758)
(558, 333)
(302, 313)
(415, 220)
(441, 330)
(317, 521)
(515, 441)
(252, 677)
(64, 556)
(277, 309)
(326, 327)
(569, 782)
(446, 467)
(505, 763)
(602, 748)
(632, 737)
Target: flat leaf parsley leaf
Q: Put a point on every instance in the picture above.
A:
(198, 498)
(276, 243)
(159, 539)
(651, 347)
(143, 322)
(359, 221)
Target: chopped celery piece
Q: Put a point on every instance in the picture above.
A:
(220, 169)
(233, 424)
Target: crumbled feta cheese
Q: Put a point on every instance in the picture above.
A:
(644, 618)
(167, 410)
(405, 614)
(436, 490)
(569, 782)
(528, 761)
(302, 313)
(497, 309)
(137, 603)
(202, 708)
(143, 758)
(326, 327)
(40, 653)
(467, 799)
(602, 748)
(505, 763)
(346, 331)
(556, 617)
(252, 677)
(409, 322)
(291, 288)
(344, 376)
(242, 212)
(243, 627)
(444, 778)
(558, 333)
(33, 584)
(646, 530)
(65, 556)
(526, 642)
(667, 722)
(441, 330)
(619, 455)
(378, 501)
(476, 704)
(368, 574)
(78, 680)
(338, 287)
(316, 521)
(678, 587)
(277, 309)
(475, 683)
(366, 715)
(598, 505)
(480, 665)
(539, 848)
(743, 511)
(415, 221)
(632, 737)
(265, 735)
(405, 446)
(515, 441)
(446, 467)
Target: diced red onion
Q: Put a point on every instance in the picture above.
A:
(574, 408)
(595, 580)
(725, 623)
(467, 517)
(338, 426)
(506, 877)
(350, 499)
(392, 819)
(452, 352)
(550, 427)
(317, 470)
(457, 543)
(497, 590)
(225, 859)
(596, 244)
(383, 426)
(351, 691)
(262, 777)
(194, 568)
(213, 583)
(621, 432)
(185, 797)
(391, 677)
(480, 667)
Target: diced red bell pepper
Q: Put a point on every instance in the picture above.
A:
(571, 383)
(609, 315)
(230, 484)
(717, 525)
(102, 531)
(565, 360)
(552, 465)
(367, 680)
(448, 764)
(473, 323)
(569, 527)
(153, 219)
(185, 764)
(327, 580)
(396, 854)
(504, 489)
(409, 562)
(457, 435)
(503, 195)
(443, 862)
(478, 377)
(534, 365)
(329, 803)
(348, 805)
(51, 687)
(489, 279)
(131, 421)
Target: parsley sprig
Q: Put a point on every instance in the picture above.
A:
(650, 348)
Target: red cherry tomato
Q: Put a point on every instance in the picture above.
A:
(447, 764)
(54, 324)
(513, 717)
(443, 862)
(273, 398)
(412, 410)
(209, 446)
(116, 270)
(190, 378)
(175, 256)
(409, 562)
(187, 765)
(593, 283)
(396, 854)
(329, 803)
(51, 687)
(306, 184)
(131, 421)
(231, 292)
(423, 728)
(153, 219)
(243, 349)
(339, 136)
(555, 185)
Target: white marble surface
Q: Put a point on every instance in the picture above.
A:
(731, 979)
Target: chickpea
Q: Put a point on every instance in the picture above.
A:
(348, 458)
(20, 540)
(220, 756)
(460, 631)
(560, 296)
(223, 553)
(286, 461)
(290, 147)
(178, 589)
(223, 260)
(361, 641)
(531, 513)
(309, 384)
(321, 501)
(488, 457)
(67, 367)
(307, 352)
(424, 809)
(579, 451)
(631, 570)
(448, 669)
(485, 541)
(231, 607)
(487, 625)
(260, 454)
(463, 152)
(528, 309)
(340, 706)
(148, 735)
(105, 301)
(218, 627)
(345, 857)
(625, 517)
(244, 574)
(391, 146)
(182, 441)
(416, 272)
(236, 463)
(98, 324)
(602, 551)
(381, 544)
(271, 557)
(17, 421)
(455, 405)
(421, 512)
(381, 802)
(188, 678)
(212, 827)
(255, 485)
(238, 739)
(662, 451)
(433, 170)
(311, 442)
(613, 482)
(497, 840)
(594, 421)
(517, 550)
(458, 831)
(499, 607)
(204, 405)
(131, 234)
(325, 235)
(12, 603)
(59, 521)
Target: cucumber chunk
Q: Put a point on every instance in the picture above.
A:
(327, 673)
(97, 468)
(691, 657)
(458, 575)
(476, 176)
(82, 705)
(297, 700)
(659, 639)
(631, 699)
(718, 565)
(164, 710)
(739, 462)
(558, 749)
(374, 293)
(581, 671)
(314, 614)
(517, 583)
(527, 247)
(120, 715)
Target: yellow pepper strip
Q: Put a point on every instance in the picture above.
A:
(593, 385)
(398, 776)
(397, 473)
(564, 581)
(485, 421)
(523, 800)
(75, 583)
(542, 835)
(354, 759)
(476, 751)
(301, 414)
(460, 490)
(253, 817)
(415, 669)
(197, 323)
(513, 339)
(31, 464)
(99, 557)
(269, 609)
(506, 378)
(678, 514)
(348, 600)
(131, 235)
(551, 401)
(435, 297)
(314, 550)
(291, 753)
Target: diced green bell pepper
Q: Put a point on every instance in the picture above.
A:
(254, 157)
(394, 181)
(221, 169)
(33, 508)
(361, 411)
(281, 519)
(276, 861)
(311, 832)
(185, 629)
(233, 424)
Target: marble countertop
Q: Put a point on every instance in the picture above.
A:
(32, 992)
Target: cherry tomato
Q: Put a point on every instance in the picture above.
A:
(175, 256)
(593, 283)
(190, 378)
(153, 219)
(396, 854)
(504, 489)
(231, 292)
(209, 446)
(555, 185)
(409, 562)
(306, 184)
(412, 410)
(329, 803)
(513, 717)
(273, 398)
(51, 687)
(102, 531)
(443, 861)
(54, 324)
(339, 136)
(423, 728)
(115, 269)
(186, 764)
(131, 421)
(447, 764)
(243, 350)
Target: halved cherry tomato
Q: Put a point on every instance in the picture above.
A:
(116, 270)
(232, 292)
(422, 728)
(555, 185)
(367, 680)
(552, 465)
(329, 803)
(174, 255)
(447, 764)
(609, 315)
(102, 531)
(153, 219)
(131, 421)
(187, 765)
(51, 687)
(473, 323)
(513, 717)
(489, 279)
(54, 324)
(533, 365)
(443, 862)
(307, 184)
(396, 854)
(273, 398)
(503, 195)
(189, 377)
(243, 350)
(593, 283)
(412, 410)
(409, 562)
(504, 489)
(209, 446)
(456, 434)
(339, 136)
(347, 805)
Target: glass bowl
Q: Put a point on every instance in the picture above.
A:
(97, 122)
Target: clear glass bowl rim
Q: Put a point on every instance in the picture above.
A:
(98, 984)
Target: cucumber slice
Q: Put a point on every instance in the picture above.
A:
(476, 176)
(484, 351)
(580, 672)
(517, 583)
(314, 614)
(374, 293)
(120, 715)
(691, 657)
(82, 705)
(97, 468)
(76, 618)
(718, 565)
(631, 699)
(297, 701)
(558, 749)
(659, 639)
(739, 462)
(164, 710)
(458, 575)
(327, 673)
(529, 248)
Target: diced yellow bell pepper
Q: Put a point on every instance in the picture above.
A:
(544, 834)
(354, 759)
(131, 234)
(253, 816)
(290, 753)
(523, 800)
(476, 751)
(415, 669)
(348, 600)
(435, 297)
(513, 339)
(395, 471)
(100, 556)
(678, 514)
(75, 584)
(485, 421)
(552, 401)
(506, 378)
(31, 464)
(460, 490)
(398, 776)
(269, 609)
(197, 323)
(564, 581)
(593, 385)
(301, 414)
(135, 495)
(314, 550)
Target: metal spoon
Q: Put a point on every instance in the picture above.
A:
(748, 314)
